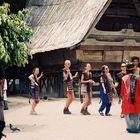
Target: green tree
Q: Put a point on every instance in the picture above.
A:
(14, 34)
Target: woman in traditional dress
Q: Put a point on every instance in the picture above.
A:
(106, 91)
(68, 85)
(86, 88)
(130, 93)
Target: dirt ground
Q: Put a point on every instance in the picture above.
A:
(51, 124)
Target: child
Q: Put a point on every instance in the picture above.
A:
(34, 89)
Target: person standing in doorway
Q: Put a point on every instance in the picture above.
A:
(106, 91)
(86, 88)
(34, 89)
(130, 93)
(68, 85)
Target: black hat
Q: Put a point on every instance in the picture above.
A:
(131, 67)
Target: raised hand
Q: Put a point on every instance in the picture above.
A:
(76, 74)
(42, 74)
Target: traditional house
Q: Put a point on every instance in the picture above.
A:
(95, 31)
(99, 32)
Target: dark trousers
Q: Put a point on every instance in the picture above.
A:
(106, 105)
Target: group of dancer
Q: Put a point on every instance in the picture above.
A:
(127, 85)
(106, 88)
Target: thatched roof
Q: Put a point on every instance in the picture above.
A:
(61, 24)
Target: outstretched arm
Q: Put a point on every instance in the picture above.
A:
(76, 75)
(40, 76)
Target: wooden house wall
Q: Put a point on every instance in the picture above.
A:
(111, 55)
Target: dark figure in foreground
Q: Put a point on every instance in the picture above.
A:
(2, 121)
(2, 126)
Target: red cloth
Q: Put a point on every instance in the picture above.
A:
(127, 106)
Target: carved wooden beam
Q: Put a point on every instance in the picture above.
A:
(114, 36)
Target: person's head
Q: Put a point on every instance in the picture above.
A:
(123, 67)
(88, 67)
(105, 69)
(67, 64)
(135, 60)
(35, 70)
(131, 68)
